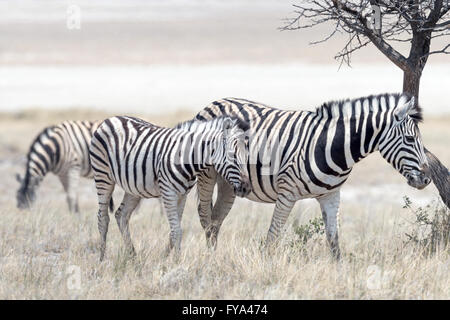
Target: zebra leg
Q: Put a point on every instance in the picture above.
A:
(123, 214)
(205, 190)
(224, 202)
(161, 206)
(171, 201)
(104, 196)
(181, 204)
(283, 207)
(70, 180)
(329, 205)
(175, 229)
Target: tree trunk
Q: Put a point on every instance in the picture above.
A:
(440, 176)
(411, 82)
(437, 171)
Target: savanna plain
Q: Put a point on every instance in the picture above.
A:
(48, 253)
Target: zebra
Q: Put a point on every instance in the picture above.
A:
(295, 155)
(62, 149)
(149, 161)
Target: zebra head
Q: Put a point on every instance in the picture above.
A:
(402, 145)
(230, 163)
(26, 194)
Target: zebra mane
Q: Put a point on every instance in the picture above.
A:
(189, 124)
(415, 112)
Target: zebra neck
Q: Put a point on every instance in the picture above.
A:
(37, 169)
(31, 179)
(365, 131)
(205, 148)
(346, 135)
(43, 156)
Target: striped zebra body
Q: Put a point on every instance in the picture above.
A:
(148, 161)
(63, 150)
(302, 154)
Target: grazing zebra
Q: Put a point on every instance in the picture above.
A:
(148, 161)
(62, 149)
(301, 154)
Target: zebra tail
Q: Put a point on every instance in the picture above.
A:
(111, 205)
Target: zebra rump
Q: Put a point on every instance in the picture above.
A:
(63, 150)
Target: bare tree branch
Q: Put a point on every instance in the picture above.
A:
(444, 50)
(397, 19)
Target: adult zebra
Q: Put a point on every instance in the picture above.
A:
(300, 154)
(148, 161)
(62, 149)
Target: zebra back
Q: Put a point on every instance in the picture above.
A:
(59, 147)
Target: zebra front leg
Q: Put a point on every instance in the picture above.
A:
(123, 214)
(70, 180)
(205, 190)
(329, 205)
(224, 202)
(283, 207)
(171, 200)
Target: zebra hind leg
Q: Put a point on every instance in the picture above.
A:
(180, 206)
(224, 202)
(329, 205)
(104, 195)
(70, 180)
(123, 214)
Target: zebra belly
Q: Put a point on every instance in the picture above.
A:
(133, 180)
(263, 186)
(258, 196)
(253, 196)
(149, 190)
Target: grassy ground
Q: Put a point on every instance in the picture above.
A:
(48, 253)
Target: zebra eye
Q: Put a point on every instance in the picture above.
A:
(409, 139)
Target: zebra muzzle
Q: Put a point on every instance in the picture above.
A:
(418, 180)
(244, 188)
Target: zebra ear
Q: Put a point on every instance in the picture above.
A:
(18, 178)
(227, 125)
(404, 106)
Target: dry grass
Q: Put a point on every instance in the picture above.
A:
(42, 250)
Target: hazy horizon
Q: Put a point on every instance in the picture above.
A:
(166, 55)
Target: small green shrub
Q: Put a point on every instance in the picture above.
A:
(305, 232)
(431, 227)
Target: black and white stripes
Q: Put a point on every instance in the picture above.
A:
(149, 161)
(62, 149)
(248, 149)
(301, 154)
